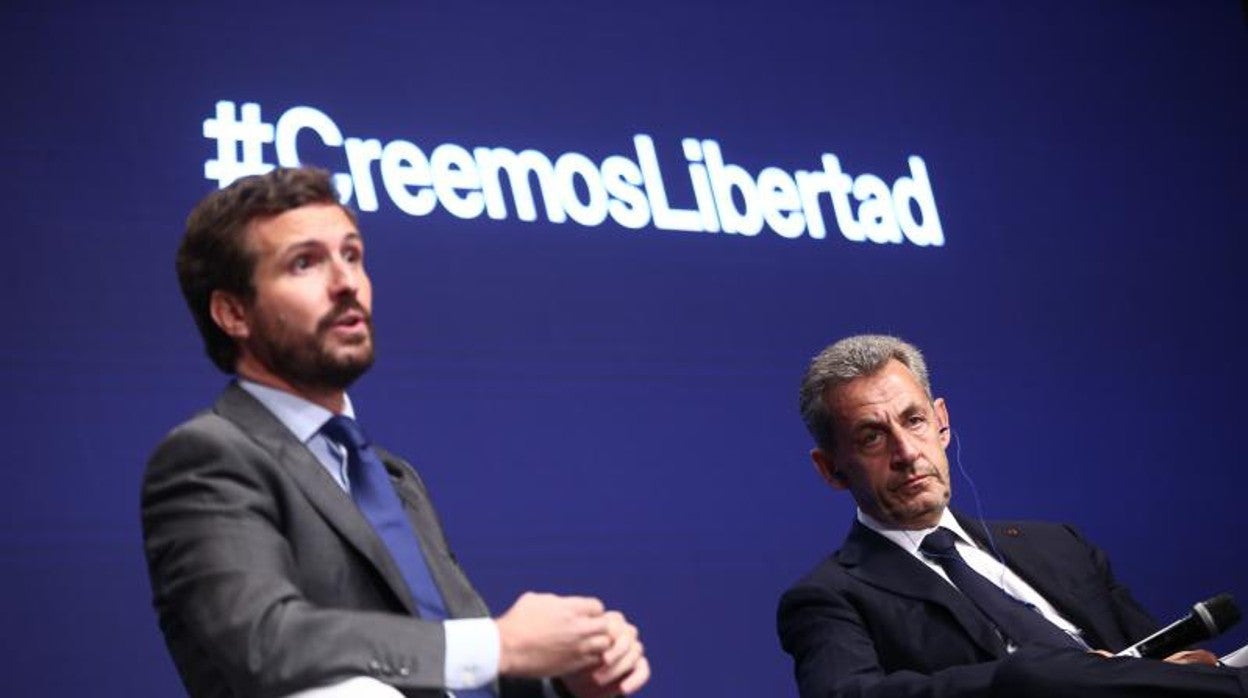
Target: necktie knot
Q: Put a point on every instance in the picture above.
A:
(345, 431)
(938, 543)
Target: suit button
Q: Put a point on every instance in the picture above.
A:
(404, 671)
(374, 666)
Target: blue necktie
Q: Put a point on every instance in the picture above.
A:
(1016, 620)
(380, 504)
(377, 500)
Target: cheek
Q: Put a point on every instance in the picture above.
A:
(868, 480)
(294, 308)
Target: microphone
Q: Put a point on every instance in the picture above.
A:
(1208, 619)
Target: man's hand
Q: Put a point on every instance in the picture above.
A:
(1184, 657)
(1193, 657)
(546, 635)
(621, 670)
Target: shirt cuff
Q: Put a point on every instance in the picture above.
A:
(472, 649)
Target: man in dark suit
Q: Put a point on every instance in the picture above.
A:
(922, 602)
(288, 554)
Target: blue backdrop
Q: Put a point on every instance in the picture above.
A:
(609, 410)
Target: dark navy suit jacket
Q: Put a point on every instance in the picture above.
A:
(873, 621)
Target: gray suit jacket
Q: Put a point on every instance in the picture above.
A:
(266, 577)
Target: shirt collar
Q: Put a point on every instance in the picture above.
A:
(302, 417)
(911, 540)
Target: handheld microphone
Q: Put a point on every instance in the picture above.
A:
(1207, 619)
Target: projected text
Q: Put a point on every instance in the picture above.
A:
(632, 189)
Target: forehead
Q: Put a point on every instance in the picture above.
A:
(326, 223)
(890, 390)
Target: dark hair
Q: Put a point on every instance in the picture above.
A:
(214, 253)
(842, 362)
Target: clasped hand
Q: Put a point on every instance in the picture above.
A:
(595, 652)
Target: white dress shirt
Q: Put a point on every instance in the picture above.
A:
(981, 561)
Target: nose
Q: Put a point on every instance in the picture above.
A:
(344, 277)
(906, 448)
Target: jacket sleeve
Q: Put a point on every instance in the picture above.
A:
(1133, 621)
(834, 655)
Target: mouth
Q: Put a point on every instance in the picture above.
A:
(912, 482)
(351, 318)
(348, 320)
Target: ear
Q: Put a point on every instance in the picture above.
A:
(942, 418)
(230, 313)
(828, 470)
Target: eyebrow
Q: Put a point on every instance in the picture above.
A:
(353, 236)
(299, 246)
(875, 423)
(915, 407)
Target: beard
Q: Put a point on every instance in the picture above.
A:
(310, 360)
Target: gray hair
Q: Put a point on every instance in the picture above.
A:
(842, 362)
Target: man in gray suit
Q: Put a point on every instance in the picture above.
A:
(270, 572)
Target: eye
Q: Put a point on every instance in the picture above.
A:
(304, 261)
(917, 421)
(870, 439)
(354, 255)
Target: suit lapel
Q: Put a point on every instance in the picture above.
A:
(877, 561)
(236, 405)
(461, 599)
(1026, 557)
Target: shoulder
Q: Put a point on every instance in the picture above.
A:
(1023, 540)
(207, 431)
(826, 586)
(827, 582)
(832, 574)
(1024, 531)
(828, 573)
(208, 465)
(208, 447)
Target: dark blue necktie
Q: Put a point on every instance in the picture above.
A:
(1019, 622)
(377, 500)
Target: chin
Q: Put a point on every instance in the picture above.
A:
(353, 355)
(340, 369)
